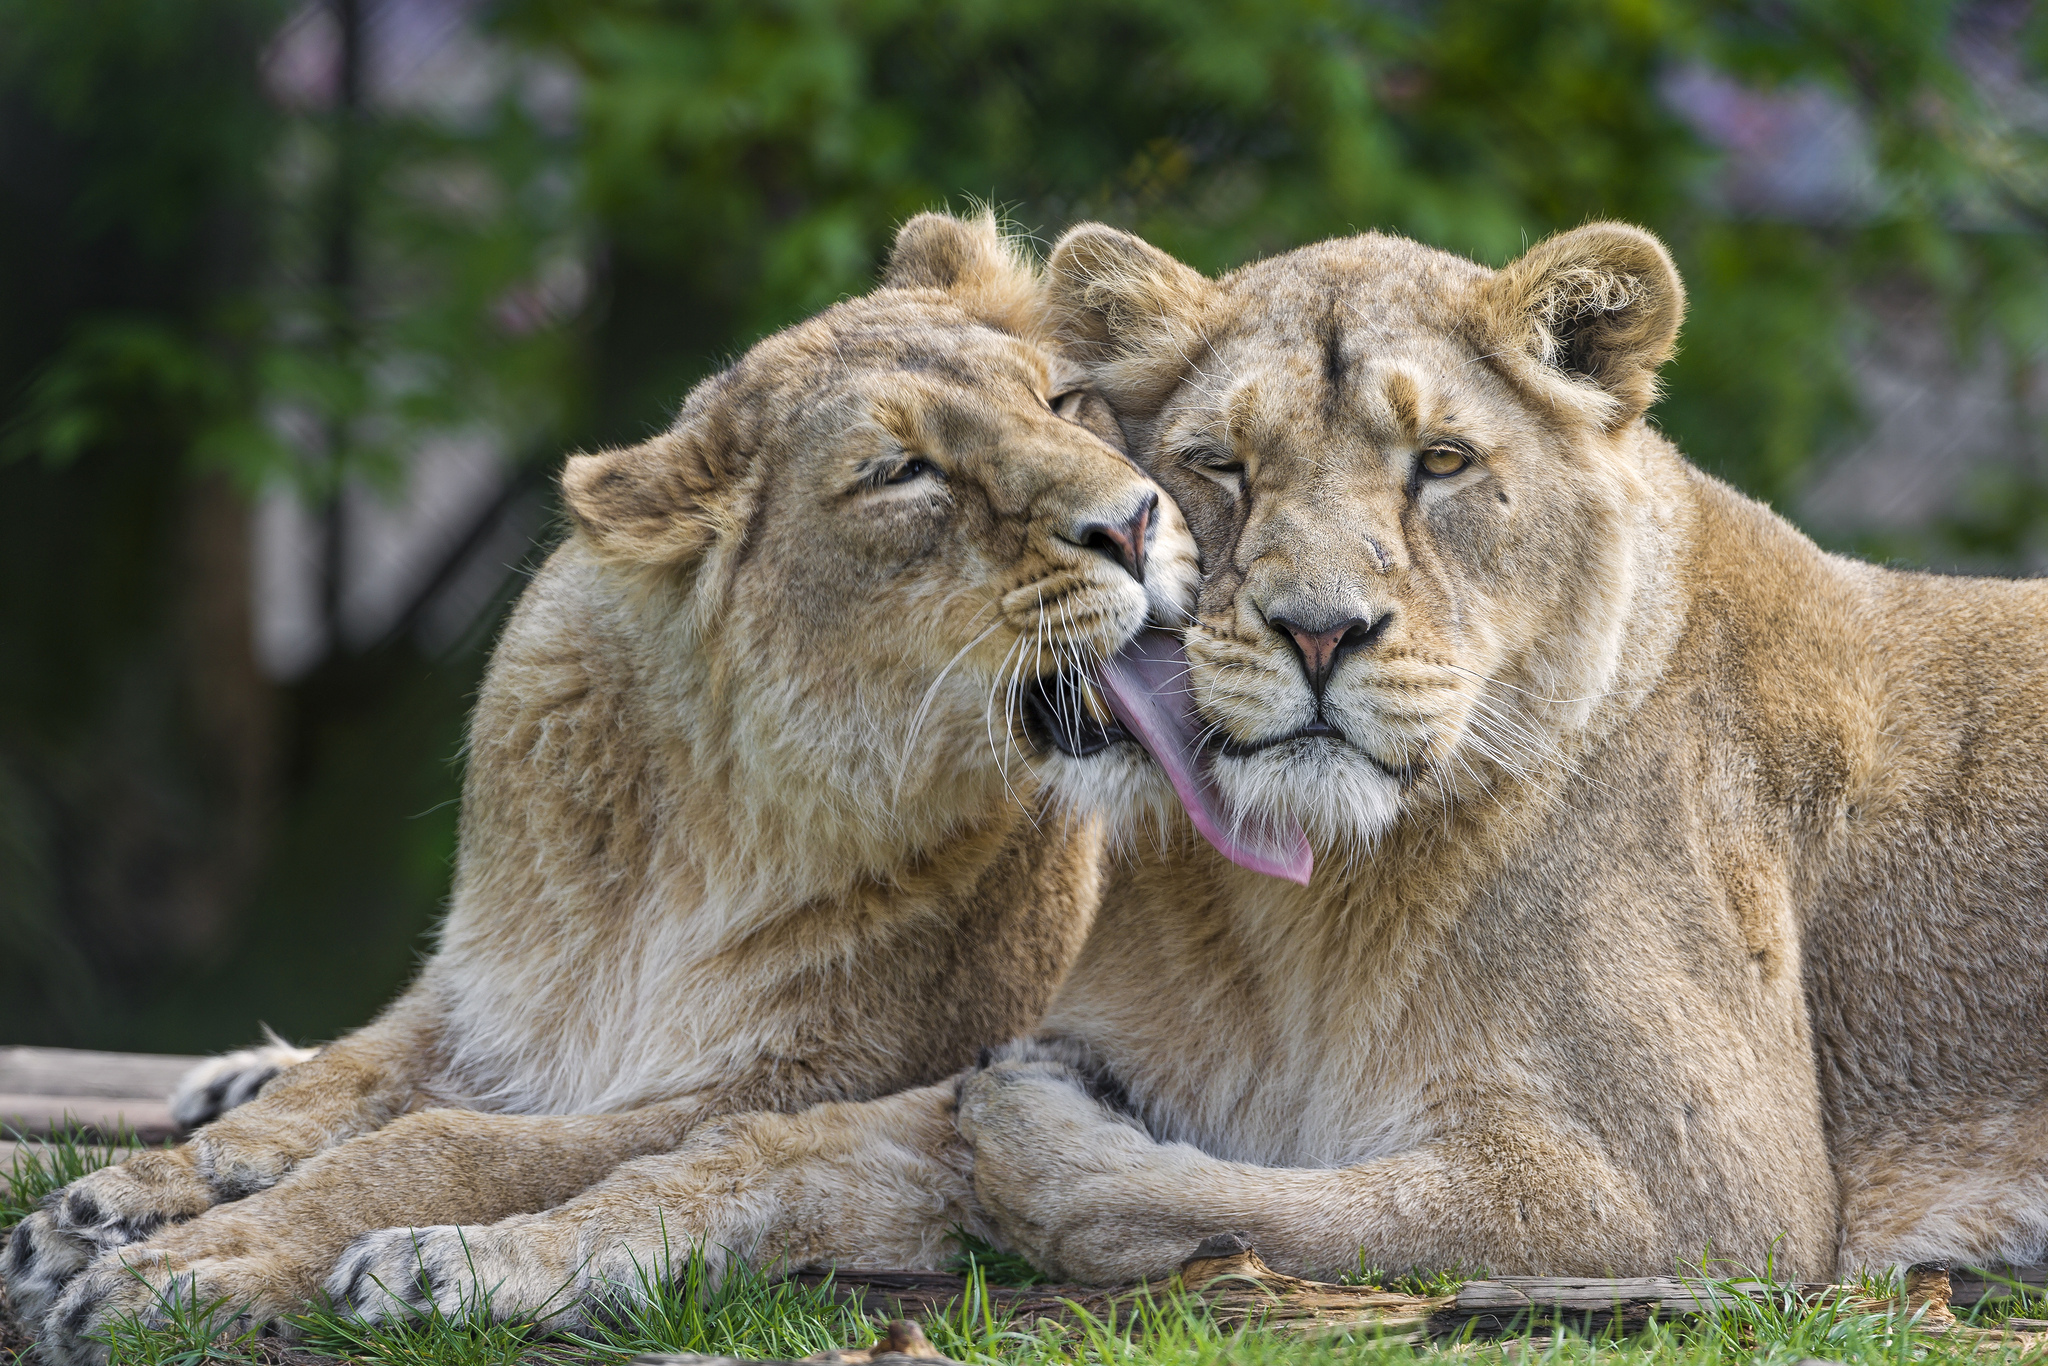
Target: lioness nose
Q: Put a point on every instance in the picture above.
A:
(1321, 647)
(1123, 543)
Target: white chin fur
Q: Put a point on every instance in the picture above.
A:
(1121, 785)
(1343, 800)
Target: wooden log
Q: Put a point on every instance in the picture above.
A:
(1225, 1274)
(1971, 1285)
(1239, 1289)
(102, 1117)
(1505, 1304)
(80, 1072)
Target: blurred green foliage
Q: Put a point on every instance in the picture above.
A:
(211, 290)
(752, 157)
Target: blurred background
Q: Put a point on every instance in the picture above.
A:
(305, 299)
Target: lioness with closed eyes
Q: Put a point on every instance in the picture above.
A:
(1678, 887)
(763, 804)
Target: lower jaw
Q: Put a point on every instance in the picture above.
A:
(1055, 733)
(1298, 748)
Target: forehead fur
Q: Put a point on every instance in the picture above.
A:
(895, 332)
(1353, 300)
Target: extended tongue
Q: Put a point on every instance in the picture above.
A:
(1147, 685)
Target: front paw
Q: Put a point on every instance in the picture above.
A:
(400, 1274)
(218, 1085)
(1051, 1163)
(136, 1287)
(112, 1208)
(41, 1260)
(1031, 1115)
(246, 1153)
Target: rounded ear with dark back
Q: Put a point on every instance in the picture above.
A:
(1599, 306)
(643, 504)
(1129, 311)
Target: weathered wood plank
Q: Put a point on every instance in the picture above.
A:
(1240, 1288)
(1229, 1278)
(34, 1116)
(80, 1072)
(1974, 1284)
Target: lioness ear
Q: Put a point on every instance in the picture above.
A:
(1600, 303)
(643, 504)
(1129, 311)
(969, 258)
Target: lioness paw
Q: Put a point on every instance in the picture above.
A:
(1050, 1159)
(133, 1286)
(41, 1259)
(218, 1085)
(112, 1208)
(396, 1274)
(126, 1203)
(1033, 1096)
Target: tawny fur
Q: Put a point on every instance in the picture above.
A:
(750, 820)
(1681, 887)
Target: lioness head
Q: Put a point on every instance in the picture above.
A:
(1414, 485)
(878, 555)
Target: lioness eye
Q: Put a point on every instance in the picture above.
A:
(1441, 462)
(1068, 404)
(909, 470)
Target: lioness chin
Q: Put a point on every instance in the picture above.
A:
(1681, 887)
(760, 808)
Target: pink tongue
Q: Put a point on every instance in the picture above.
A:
(1147, 684)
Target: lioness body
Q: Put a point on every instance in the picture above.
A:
(1683, 885)
(1680, 887)
(1757, 943)
(751, 818)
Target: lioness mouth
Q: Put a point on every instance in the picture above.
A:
(1059, 715)
(1316, 730)
(1146, 686)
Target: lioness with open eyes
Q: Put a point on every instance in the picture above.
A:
(762, 805)
(1680, 889)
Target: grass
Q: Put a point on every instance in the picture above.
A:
(39, 1168)
(755, 1315)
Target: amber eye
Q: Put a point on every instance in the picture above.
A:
(1441, 462)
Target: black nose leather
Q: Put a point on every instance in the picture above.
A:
(1123, 543)
(1321, 647)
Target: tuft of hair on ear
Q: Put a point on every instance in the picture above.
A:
(1598, 306)
(1133, 314)
(986, 273)
(646, 505)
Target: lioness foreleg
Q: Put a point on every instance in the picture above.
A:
(266, 1255)
(878, 1184)
(1087, 1194)
(354, 1085)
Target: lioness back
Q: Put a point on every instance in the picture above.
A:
(1902, 720)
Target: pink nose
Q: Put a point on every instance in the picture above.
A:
(1321, 649)
(1126, 543)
